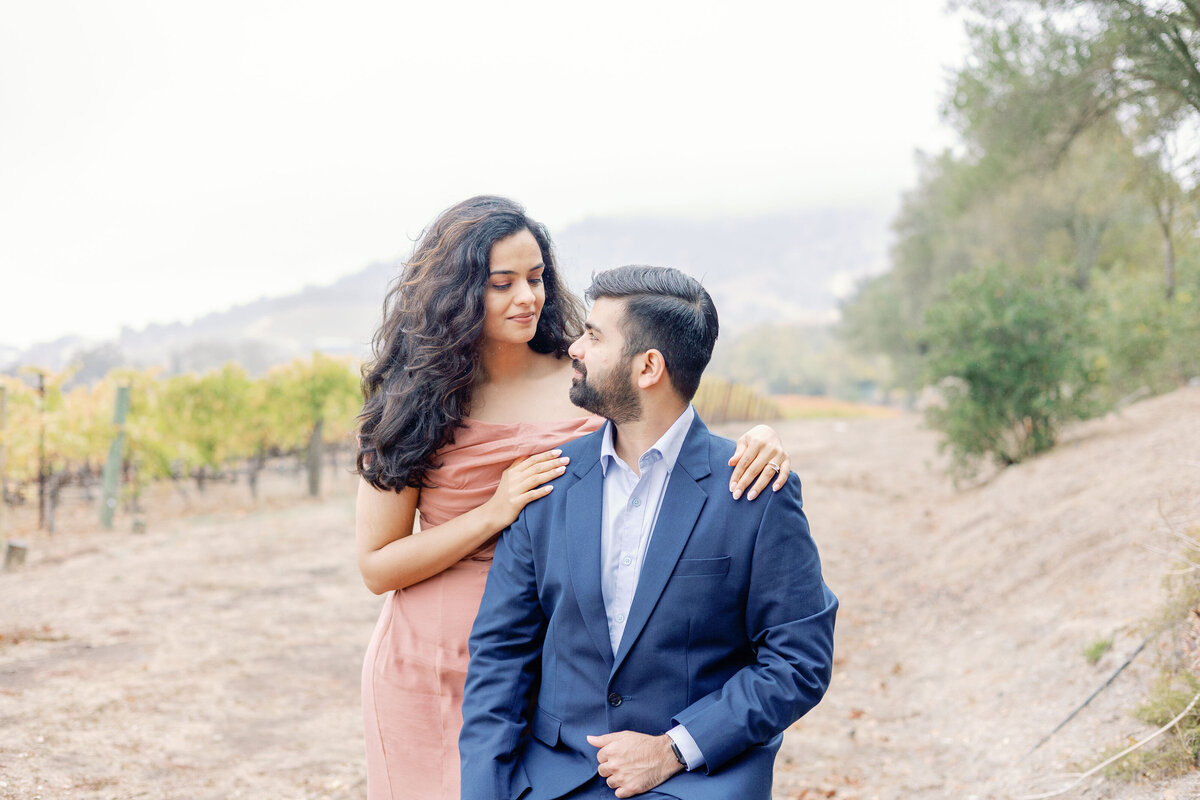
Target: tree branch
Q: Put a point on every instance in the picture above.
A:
(1188, 62)
(1193, 8)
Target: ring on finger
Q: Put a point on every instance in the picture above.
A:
(773, 465)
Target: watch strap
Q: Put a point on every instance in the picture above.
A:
(678, 755)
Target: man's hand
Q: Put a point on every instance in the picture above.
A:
(634, 762)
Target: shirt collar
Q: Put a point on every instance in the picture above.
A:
(667, 447)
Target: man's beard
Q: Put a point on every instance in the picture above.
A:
(613, 398)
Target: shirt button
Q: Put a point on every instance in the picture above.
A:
(637, 501)
(620, 617)
(627, 561)
(615, 699)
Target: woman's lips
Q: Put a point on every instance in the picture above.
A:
(523, 317)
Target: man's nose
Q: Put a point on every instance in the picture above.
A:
(575, 351)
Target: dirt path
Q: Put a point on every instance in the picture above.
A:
(964, 613)
(218, 656)
(214, 657)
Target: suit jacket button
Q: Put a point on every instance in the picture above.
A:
(615, 699)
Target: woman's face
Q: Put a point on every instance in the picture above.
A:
(515, 294)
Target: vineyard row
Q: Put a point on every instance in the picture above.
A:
(209, 426)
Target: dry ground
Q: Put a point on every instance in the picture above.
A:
(217, 655)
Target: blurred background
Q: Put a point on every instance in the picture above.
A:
(943, 240)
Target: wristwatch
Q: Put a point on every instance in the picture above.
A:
(678, 755)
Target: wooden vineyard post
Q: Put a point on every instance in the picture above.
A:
(41, 392)
(14, 554)
(112, 467)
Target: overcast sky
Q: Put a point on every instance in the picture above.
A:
(163, 159)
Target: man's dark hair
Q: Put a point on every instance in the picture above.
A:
(667, 311)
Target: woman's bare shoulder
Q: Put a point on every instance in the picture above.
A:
(557, 391)
(542, 393)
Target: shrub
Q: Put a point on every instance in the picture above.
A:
(1010, 354)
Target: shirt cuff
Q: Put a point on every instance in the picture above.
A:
(687, 747)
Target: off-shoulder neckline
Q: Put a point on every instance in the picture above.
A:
(545, 422)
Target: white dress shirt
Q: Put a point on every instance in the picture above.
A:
(631, 504)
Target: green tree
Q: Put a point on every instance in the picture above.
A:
(1083, 217)
(1009, 352)
(1043, 72)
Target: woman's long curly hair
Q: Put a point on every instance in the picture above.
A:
(417, 387)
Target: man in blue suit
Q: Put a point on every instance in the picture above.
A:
(643, 633)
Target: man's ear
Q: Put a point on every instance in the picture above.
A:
(651, 369)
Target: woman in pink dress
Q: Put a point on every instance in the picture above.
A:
(465, 399)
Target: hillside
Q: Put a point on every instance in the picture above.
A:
(781, 268)
(218, 654)
(965, 613)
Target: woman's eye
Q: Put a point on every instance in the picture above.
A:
(500, 287)
(536, 281)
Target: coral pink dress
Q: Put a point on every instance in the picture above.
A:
(416, 664)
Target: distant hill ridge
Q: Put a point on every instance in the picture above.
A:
(780, 268)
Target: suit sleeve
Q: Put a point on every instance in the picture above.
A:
(789, 621)
(505, 644)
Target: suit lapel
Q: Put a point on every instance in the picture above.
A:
(677, 517)
(584, 520)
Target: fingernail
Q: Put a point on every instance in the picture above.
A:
(737, 493)
(731, 486)
(753, 494)
(565, 459)
(556, 452)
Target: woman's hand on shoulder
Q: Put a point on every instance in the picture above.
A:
(758, 459)
(525, 480)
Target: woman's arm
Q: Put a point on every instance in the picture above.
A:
(391, 557)
(759, 457)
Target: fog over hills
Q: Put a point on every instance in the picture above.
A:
(778, 268)
(782, 268)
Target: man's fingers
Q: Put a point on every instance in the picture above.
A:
(600, 741)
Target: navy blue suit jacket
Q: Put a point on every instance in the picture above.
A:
(730, 633)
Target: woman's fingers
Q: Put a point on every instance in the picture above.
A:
(542, 476)
(535, 493)
(737, 453)
(752, 474)
(538, 472)
(763, 480)
(541, 458)
(785, 467)
(742, 458)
